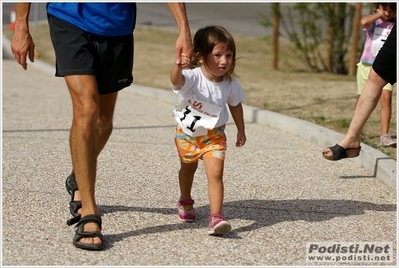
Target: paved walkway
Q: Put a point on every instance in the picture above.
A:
(280, 194)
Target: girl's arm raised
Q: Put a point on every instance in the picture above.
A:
(176, 76)
(367, 21)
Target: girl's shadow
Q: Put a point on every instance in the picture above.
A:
(261, 213)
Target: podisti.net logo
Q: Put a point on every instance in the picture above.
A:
(349, 252)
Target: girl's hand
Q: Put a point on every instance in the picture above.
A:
(381, 13)
(176, 76)
(241, 139)
(184, 61)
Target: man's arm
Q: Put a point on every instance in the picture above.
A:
(183, 42)
(22, 44)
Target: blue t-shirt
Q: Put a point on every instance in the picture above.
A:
(107, 19)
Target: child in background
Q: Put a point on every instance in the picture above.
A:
(377, 27)
(205, 89)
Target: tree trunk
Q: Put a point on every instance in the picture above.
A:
(276, 15)
(330, 36)
(355, 39)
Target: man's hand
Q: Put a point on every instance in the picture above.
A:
(22, 44)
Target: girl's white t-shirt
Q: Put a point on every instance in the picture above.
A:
(198, 87)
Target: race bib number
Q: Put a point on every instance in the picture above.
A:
(379, 37)
(196, 117)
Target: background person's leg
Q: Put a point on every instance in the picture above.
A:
(365, 106)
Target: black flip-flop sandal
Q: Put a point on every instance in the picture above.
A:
(79, 233)
(340, 152)
(74, 206)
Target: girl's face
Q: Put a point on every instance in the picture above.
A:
(389, 14)
(218, 63)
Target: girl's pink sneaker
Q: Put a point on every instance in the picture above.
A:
(186, 216)
(218, 226)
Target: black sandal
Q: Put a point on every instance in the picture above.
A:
(340, 152)
(79, 233)
(74, 206)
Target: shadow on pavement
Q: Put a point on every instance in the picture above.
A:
(262, 213)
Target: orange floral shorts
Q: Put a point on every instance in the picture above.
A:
(190, 149)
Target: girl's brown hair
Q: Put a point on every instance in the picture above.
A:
(205, 39)
(391, 5)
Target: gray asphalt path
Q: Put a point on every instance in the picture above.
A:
(280, 194)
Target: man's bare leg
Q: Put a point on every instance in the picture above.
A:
(91, 128)
(104, 126)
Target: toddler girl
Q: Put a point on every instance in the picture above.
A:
(205, 89)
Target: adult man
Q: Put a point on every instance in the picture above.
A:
(93, 43)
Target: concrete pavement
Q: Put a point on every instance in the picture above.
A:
(280, 194)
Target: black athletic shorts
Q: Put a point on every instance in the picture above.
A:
(385, 62)
(109, 58)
